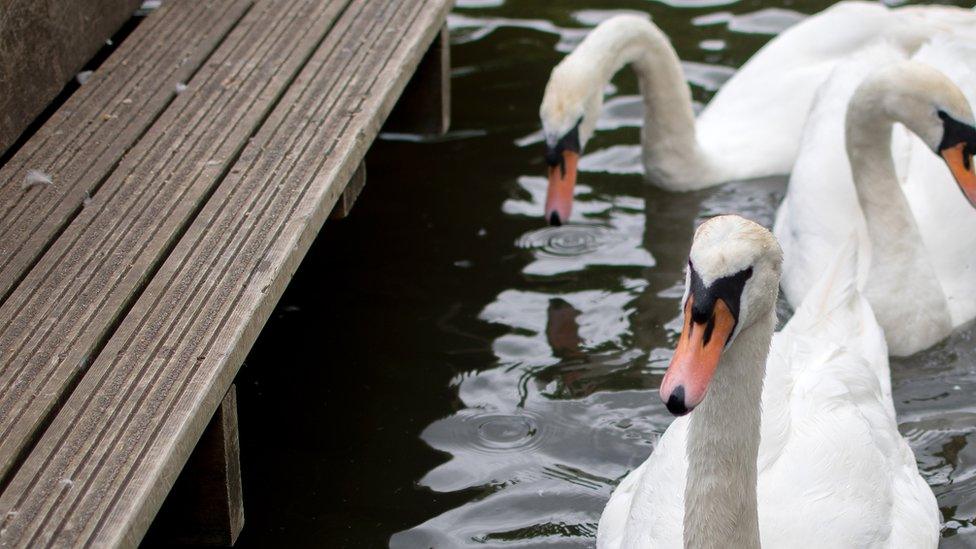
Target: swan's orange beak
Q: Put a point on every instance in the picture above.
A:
(960, 162)
(562, 181)
(696, 358)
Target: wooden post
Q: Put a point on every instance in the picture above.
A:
(348, 197)
(206, 505)
(425, 105)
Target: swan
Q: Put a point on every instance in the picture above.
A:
(751, 128)
(810, 456)
(917, 238)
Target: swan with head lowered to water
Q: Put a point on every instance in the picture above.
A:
(751, 128)
(785, 440)
(857, 171)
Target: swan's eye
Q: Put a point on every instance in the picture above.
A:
(942, 114)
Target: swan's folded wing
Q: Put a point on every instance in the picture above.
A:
(647, 508)
(757, 116)
(834, 311)
(842, 473)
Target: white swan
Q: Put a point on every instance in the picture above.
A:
(918, 238)
(752, 126)
(810, 457)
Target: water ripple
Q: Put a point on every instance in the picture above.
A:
(567, 240)
(504, 432)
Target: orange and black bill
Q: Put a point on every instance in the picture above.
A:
(959, 158)
(696, 357)
(711, 315)
(562, 156)
(562, 181)
(957, 148)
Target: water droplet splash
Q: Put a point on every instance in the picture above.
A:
(568, 240)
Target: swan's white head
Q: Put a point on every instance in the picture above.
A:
(732, 282)
(574, 97)
(931, 106)
(569, 111)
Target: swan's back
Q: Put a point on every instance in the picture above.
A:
(756, 118)
(758, 114)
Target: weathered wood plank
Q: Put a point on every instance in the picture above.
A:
(43, 44)
(425, 106)
(206, 505)
(129, 425)
(349, 195)
(54, 323)
(85, 139)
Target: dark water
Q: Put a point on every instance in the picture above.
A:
(447, 371)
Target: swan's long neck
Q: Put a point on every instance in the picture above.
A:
(891, 224)
(671, 150)
(723, 446)
(898, 255)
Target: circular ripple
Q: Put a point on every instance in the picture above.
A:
(486, 432)
(506, 432)
(567, 240)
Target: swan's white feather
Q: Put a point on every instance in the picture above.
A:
(753, 125)
(945, 219)
(833, 468)
(821, 205)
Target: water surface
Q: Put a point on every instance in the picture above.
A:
(447, 371)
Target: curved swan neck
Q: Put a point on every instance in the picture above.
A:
(671, 149)
(721, 507)
(898, 256)
(890, 222)
(670, 146)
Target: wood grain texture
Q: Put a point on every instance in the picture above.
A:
(43, 44)
(85, 139)
(100, 472)
(54, 323)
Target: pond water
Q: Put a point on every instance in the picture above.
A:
(445, 370)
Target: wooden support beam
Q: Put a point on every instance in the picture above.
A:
(206, 505)
(348, 197)
(425, 106)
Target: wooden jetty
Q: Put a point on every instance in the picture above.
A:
(188, 177)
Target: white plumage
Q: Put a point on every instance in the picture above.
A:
(832, 468)
(918, 269)
(752, 127)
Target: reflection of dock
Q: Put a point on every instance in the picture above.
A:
(187, 179)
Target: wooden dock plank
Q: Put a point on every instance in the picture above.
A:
(55, 322)
(111, 454)
(43, 44)
(87, 137)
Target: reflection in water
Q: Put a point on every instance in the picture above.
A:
(562, 329)
(569, 408)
